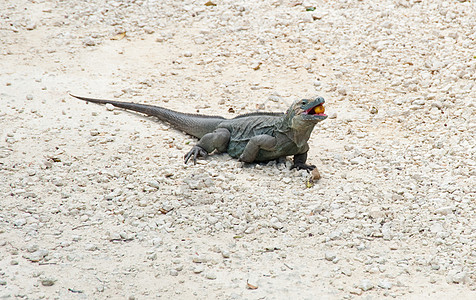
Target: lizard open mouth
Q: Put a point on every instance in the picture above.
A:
(317, 110)
(313, 110)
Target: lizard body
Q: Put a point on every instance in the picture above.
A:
(253, 137)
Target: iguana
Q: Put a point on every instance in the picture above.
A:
(253, 137)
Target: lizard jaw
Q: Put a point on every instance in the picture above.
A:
(315, 112)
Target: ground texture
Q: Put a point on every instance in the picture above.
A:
(96, 203)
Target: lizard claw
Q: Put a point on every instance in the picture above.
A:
(196, 152)
(301, 166)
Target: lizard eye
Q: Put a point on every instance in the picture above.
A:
(303, 101)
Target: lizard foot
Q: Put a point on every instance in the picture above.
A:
(240, 159)
(195, 153)
(302, 166)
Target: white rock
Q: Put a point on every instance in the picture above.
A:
(89, 41)
(225, 253)
(157, 242)
(277, 225)
(366, 285)
(19, 222)
(154, 183)
(444, 210)
(211, 276)
(198, 269)
(30, 25)
(91, 247)
(376, 213)
(358, 160)
(457, 277)
(48, 281)
(199, 259)
(38, 255)
(330, 255)
(436, 228)
(385, 285)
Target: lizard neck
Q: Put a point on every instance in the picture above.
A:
(298, 131)
(300, 136)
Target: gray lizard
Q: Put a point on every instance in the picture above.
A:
(253, 137)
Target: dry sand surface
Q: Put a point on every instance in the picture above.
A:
(97, 203)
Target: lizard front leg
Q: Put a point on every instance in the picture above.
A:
(300, 162)
(256, 143)
(216, 140)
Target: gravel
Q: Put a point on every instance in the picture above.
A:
(101, 198)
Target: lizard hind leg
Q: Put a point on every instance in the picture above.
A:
(216, 140)
(256, 143)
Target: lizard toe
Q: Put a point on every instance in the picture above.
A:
(303, 167)
(195, 153)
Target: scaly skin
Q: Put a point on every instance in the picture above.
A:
(254, 137)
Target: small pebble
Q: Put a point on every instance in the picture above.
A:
(211, 276)
(330, 255)
(198, 269)
(179, 267)
(252, 283)
(38, 255)
(32, 248)
(30, 25)
(199, 259)
(225, 253)
(19, 222)
(315, 175)
(154, 184)
(366, 285)
(89, 41)
(444, 210)
(457, 277)
(355, 291)
(157, 242)
(385, 285)
(48, 281)
(91, 247)
(149, 30)
(277, 225)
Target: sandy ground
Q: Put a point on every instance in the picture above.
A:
(97, 203)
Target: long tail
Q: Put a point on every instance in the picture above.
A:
(193, 124)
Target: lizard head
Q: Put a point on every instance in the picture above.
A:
(301, 118)
(308, 110)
